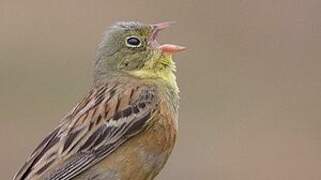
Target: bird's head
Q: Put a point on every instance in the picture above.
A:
(132, 48)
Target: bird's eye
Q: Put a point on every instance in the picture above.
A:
(133, 41)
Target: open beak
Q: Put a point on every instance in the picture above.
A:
(165, 48)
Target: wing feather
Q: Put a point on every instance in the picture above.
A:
(98, 125)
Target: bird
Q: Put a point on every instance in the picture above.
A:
(126, 126)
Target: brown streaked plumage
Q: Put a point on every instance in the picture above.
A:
(124, 129)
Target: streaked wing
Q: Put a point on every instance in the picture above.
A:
(97, 126)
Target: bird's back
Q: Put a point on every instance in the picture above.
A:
(133, 120)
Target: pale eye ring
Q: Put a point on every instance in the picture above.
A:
(133, 41)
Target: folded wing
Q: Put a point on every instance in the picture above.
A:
(98, 125)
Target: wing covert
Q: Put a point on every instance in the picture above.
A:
(99, 124)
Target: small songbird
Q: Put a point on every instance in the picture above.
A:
(125, 128)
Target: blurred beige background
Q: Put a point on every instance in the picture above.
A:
(250, 81)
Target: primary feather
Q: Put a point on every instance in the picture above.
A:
(101, 122)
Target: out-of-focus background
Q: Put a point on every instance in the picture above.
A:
(250, 81)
